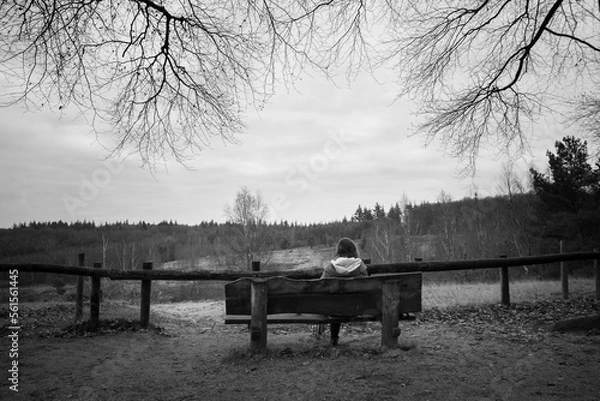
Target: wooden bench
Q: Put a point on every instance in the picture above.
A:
(258, 302)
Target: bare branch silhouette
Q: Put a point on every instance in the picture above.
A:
(170, 76)
(486, 69)
(167, 76)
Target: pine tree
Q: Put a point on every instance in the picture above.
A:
(570, 195)
(395, 213)
(573, 183)
(358, 215)
(378, 212)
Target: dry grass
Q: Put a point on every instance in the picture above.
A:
(435, 295)
(456, 294)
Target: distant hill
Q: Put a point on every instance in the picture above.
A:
(280, 260)
(300, 258)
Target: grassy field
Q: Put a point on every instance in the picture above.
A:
(435, 295)
(456, 294)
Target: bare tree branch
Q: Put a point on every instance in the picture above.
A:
(485, 70)
(248, 214)
(587, 115)
(166, 77)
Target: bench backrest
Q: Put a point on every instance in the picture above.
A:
(328, 296)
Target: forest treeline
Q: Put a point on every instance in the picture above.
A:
(561, 205)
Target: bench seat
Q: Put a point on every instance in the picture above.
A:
(280, 300)
(308, 318)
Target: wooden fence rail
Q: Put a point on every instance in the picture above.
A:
(146, 275)
(227, 275)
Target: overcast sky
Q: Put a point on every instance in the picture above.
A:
(315, 154)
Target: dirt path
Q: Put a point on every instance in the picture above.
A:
(196, 357)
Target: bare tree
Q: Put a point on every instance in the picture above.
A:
(510, 183)
(168, 76)
(587, 115)
(518, 219)
(248, 214)
(387, 240)
(127, 255)
(410, 228)
(486, 69)
(449, 236)
(104, 252)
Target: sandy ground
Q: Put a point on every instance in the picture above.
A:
(192, 355)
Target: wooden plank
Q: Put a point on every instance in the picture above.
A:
(316, 296)
(478, 264)
(308, 318)
(285, 285)
(57, 269)
(258, 318)
(331, 304)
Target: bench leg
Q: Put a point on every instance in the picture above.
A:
(258, 318)
(390, 300)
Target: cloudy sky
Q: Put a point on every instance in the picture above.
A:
(315, 153)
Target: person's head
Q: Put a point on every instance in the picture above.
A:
(346, 249)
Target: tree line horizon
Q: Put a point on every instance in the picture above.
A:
(562, 205)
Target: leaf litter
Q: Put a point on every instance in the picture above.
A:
(524, 319)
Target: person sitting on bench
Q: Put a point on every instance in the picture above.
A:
(346, 263)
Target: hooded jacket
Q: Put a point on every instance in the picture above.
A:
(345, 267)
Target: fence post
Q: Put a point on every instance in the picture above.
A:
(564, 275)
(258, 318)
(145, 301)
(504, 285)
(597, 274)
(79, 293)
(95, 299)
(256, 266)
(390, 295)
